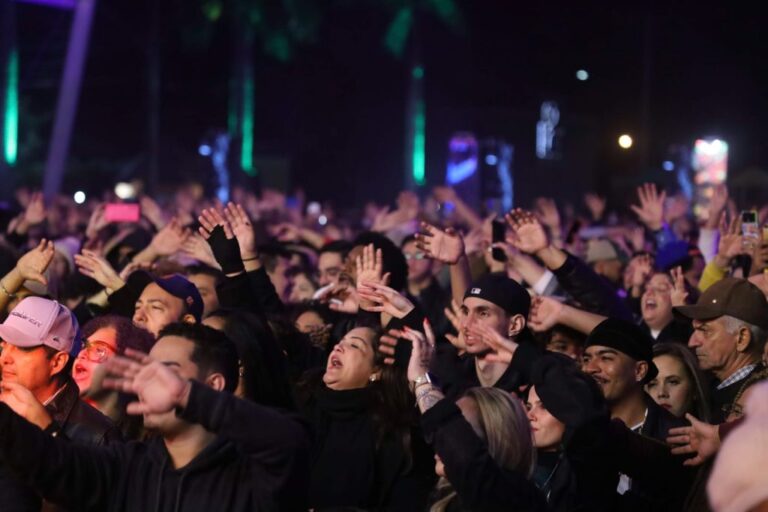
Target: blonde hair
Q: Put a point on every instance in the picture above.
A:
(505, 428)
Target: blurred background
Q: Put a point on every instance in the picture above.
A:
(355, 100)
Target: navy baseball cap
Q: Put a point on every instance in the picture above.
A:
(181, 287)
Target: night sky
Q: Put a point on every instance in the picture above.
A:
(335, 112)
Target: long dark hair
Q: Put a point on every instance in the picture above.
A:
(263, 365)
(691, 365)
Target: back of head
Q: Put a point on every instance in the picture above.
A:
(213, 352)
(262, 365)
(506, 429)
(392, 257)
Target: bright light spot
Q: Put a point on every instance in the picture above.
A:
(491, 160)
(582, 75)
(125, 191)
(323, 220)
(204, 150)
(79, 197)
(668, 165)
(625, 141)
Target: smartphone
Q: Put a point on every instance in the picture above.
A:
(122, 212)
(498, 234)
(750, 229)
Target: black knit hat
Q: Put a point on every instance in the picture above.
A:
(627, 338)
(572, 396)
(502, 291)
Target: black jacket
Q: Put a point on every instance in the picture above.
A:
(674, 332)
(659, 481)
(593, 292)
(357, 465)
(455, 374)
(74, 420)
(257, 462)
(479, 482)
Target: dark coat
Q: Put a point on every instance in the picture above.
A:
(74, 420)
(357, 462)
(257, 462)
(659, 481)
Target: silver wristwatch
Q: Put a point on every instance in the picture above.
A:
(422, 379)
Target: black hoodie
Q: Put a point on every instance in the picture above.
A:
(258, 461)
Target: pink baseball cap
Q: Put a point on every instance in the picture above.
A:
(36, 321)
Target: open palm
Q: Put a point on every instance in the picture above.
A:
(446, 246)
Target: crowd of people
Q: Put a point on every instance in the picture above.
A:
(261, 355)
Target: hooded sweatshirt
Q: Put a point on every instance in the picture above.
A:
(258, 461)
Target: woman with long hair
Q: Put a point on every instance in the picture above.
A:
(680, 386)
(263, 368)
(483, 449)
(366, 452)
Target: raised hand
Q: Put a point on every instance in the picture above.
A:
(544, 314)
(98, 268)
(169, 240)
(528, 234)
(642, 266)
(134, 266)
(196, 247)
(546, 212)
(422, 352)
(34, 263)
(378, 298)
(503, 348)
(636, 238)
(731, 241)
(717, 204)
(242, 228)
(341, 298)
(152, 211)
(446, 246)
(455, 315)
(35, 213)
(159, 388)
(210, 218)
(23, 402)
(96, 223)
(218, 232)
(679, 293)
(700, 438)
(651, 209)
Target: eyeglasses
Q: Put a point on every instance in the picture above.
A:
(414, 255)
(97, 351)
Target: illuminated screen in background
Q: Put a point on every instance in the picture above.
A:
(710, 165)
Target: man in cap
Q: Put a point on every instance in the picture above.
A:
(40, 341)
(493, 306)
(168, 300)
(619, 356)
(730, 322)
(606, 260)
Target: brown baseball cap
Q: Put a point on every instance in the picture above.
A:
(730, 296)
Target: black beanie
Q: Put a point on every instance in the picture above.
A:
(627, 338)
(572, 396)
(502, 291)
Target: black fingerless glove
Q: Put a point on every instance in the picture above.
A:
(226, 251)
